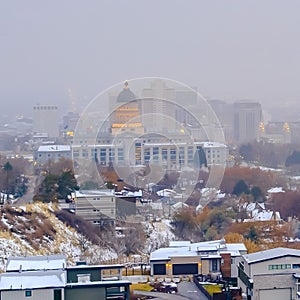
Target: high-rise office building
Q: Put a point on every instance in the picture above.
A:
(158, 107)
(46, 120)
(247, 119)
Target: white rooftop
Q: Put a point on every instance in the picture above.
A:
(94, 193)
(167, 253)
(32, 280)
(270, 254)
(54, 148)
(51, 262)
(186, 248)
(276, 190)
(179, 243)
(266, 216)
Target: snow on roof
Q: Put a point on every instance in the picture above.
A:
(221, 195)
(236, 246)
(51, 262)
(270, 254)
(179, 243)
(165, 193)
(235, 249)
(212, 145)
(32, 280)
(167, 253)
(54, 148)
(94, 193)
(186, 248)
(275, 190)
(266, 216)
(125, 193)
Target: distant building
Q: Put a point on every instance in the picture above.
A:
(247, 120)
(276, 132)
(158, 108)
(54, 153)
(46, 120)
(152, 149)
(270, 274)
(225, 114)
(96, 206)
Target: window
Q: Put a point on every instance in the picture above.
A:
(102, 155)
(214, 265)
(28, 294)
(181, 155)
(147, 155)
(190, 155)
(279, 267)
(164, 154)
(57, 294)
(173, 154)
(296, 266)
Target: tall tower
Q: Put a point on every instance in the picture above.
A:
(158, 112)
(46, 119)
(247, 119)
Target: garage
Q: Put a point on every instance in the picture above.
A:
(275, 294)
(185, 269)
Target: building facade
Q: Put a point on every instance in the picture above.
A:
(46, 153)
(205, 258)
(95, 206)
(247, 120)
(270, 274)
(49, 278)
(46, 120)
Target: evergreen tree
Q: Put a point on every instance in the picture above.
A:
(240, 188)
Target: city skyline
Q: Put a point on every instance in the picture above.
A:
(233, 51)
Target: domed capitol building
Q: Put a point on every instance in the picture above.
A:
(147, 130)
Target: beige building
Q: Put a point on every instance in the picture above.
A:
(270, 275)
(98, 206)
(206, 258)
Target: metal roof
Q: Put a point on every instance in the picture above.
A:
(270, 254)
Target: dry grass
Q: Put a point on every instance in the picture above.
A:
(141, 287)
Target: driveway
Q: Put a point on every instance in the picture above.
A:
(186, 290)
(189, 290)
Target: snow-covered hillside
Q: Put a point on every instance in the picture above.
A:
(35, 230)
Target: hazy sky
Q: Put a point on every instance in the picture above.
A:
(229, 49)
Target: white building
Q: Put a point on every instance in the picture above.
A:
(53, 153)
(34, 263)
(34, 277)
(154, 150)
(270, 274)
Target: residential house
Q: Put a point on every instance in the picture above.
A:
(208, 258)
(270, 274)
(48, 278)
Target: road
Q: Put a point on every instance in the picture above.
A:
(33, 181)
(186, 290)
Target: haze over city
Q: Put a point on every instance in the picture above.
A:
(149, 150)
(229, 50)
